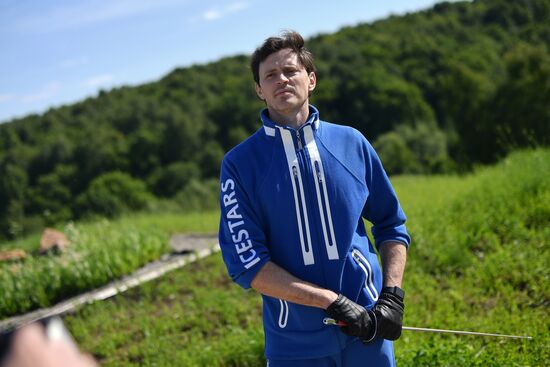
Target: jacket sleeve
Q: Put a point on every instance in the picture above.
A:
(241, 237)
(382, 208)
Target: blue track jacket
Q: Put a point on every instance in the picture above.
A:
(298, 198)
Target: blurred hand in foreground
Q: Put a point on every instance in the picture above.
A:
(31, 348)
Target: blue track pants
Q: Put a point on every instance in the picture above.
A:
(356, 354)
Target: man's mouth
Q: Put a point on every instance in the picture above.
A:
(283, 91)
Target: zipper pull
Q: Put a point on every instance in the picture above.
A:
(318, 172)
(299, 139)
(295, 171)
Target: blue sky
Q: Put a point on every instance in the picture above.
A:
(59, 51)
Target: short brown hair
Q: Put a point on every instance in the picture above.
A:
(288, 39)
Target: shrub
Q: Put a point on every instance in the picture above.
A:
(112, 194)
(418, 149)
(199, 195)
(167, 181)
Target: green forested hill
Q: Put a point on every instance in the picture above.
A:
(438, 90)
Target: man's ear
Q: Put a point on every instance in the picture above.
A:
(259, 92)
(312, 81)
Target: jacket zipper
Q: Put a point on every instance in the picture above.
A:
(326, 217)
(311, 155)
(293, 162)
(323, 202)
(301, 161)
(300, 202)
(299, 140)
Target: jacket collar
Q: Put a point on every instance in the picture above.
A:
(270, 127)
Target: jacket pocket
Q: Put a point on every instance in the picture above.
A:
(283, 313)
(363, 263)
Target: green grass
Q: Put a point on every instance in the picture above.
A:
(194, 316)
(29, 244)
(99, 252)
(170, 223)
(479, 261)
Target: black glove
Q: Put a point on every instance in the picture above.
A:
(357, 319)
(389, 313)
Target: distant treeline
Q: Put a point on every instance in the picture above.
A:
(440, 90)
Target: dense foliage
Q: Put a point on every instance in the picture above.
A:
(439, 90)
(478, 262)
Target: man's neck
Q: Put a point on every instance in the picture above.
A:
(294, 119)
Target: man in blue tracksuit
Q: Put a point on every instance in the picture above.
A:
(293, 198)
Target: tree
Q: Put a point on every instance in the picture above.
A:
(418, 149)
(13, 182)
(394, 153)
(50, 198)
(168, 180)
(98, 151)
(145, 145)
(521, 105)
(210, 159)
(464, 94)
(476, 71)
(112, 194)
(182, 133)
(385, 101)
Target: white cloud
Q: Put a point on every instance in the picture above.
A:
(216, 13)
(101, 80)
(49, 91)
(211, 14)
(88, 12)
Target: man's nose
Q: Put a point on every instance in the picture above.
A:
(282, 78)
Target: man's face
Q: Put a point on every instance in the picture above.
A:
(284, 83)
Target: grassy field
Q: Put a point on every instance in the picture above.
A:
(99, 253)
(479, 261)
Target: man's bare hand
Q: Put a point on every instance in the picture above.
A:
(31, 348)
